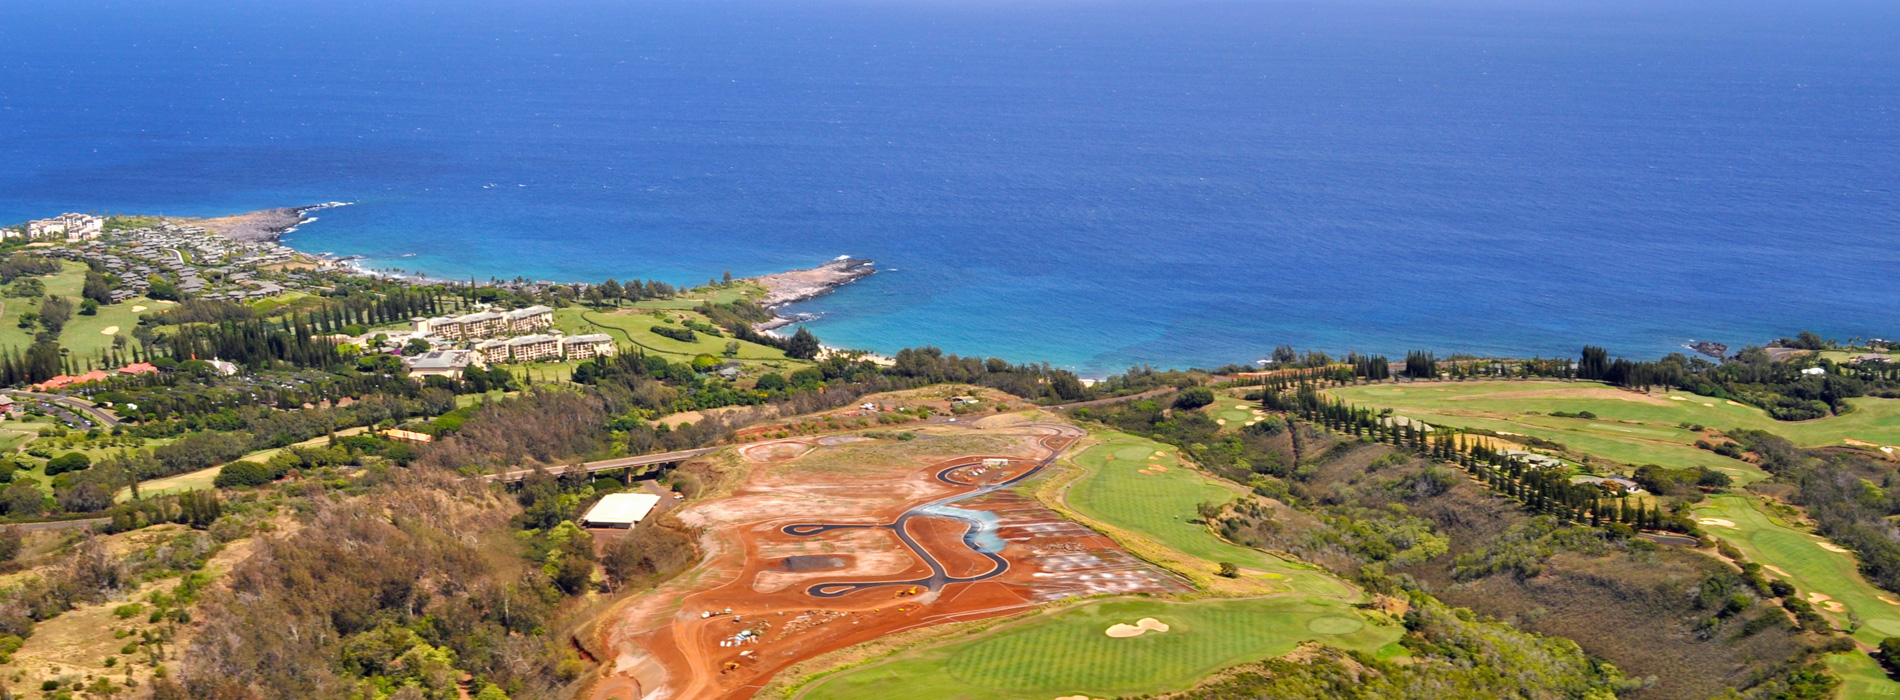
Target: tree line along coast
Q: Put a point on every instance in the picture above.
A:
(210, 441)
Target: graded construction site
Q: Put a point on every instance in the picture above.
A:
(829, 542)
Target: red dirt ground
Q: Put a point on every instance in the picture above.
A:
(665, 648)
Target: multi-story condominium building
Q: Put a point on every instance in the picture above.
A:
(586, 347)
(74, 227)
(530, 319)
(486, 324)
(493, 350)
(483, 324)
(534, 348)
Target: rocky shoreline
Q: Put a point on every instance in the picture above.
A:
(793, 286)
(781, 288)
(264, 226)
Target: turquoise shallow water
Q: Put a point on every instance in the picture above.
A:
(1091, 184)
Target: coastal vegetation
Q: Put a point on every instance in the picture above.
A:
(1349, 526)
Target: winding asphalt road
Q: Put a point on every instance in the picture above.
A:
(939, 576)
(80, 405)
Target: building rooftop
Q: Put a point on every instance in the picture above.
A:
(440, 359)
(535, 310)
(620, 509)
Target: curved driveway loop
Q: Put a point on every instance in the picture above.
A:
(939, 577)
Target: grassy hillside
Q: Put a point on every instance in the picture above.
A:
(83, 335)
(632, 329)
(1620, 412)
(1638, 428)
(1123, 488)
(1067, 653)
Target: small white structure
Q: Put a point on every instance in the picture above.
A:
(620, 511)
(995, 463)
(1813, 371)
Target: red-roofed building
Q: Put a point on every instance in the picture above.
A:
(62, 381)
(138, 368)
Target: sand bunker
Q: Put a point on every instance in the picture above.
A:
(137, 309)
(1731, 403)
(1718, 522)
(1121, 630)
(1157, 467)
(1677, 398)
(1826, 602)
(109, 330)
(1710, 405)
(1889, 601)
(1776, 569)
(1220, 421)
(1830, 546)
(1144, 471)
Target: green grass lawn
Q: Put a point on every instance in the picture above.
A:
(1160, 506)
(1862, 677)
(1810, 567)
(82, 336)
(67, 283)
(631, 330)
(269, 304)
(1234, 413)
(85, 336)
(1873, 420)
(1068, 653)
(189, 481)
(1629, 428)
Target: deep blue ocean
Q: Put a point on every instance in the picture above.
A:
(1090, 183)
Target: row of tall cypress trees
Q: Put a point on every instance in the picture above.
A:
(1538, 490)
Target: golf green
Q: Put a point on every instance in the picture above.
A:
(1069, 652)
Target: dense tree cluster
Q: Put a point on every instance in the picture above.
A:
(20, 265)
(407, 588)
(1038, 382)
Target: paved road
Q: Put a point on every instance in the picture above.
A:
(98, 415)
(606, 464)
(939, 576)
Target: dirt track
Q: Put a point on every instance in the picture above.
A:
(807, 565)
